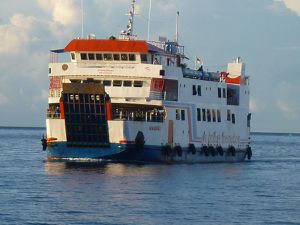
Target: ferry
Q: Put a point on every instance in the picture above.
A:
(126, 99)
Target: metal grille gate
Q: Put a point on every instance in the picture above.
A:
(85, 114)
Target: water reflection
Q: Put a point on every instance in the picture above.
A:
(107, 168)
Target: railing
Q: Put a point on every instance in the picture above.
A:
(140, 116)
(53, 115)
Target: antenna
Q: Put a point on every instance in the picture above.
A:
(149, 19)
(82, 19)
(177, 29)
(128, 34)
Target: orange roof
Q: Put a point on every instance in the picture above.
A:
(80, 45)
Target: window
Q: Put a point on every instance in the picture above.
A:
(177, 114)
(117, 57)
(131, 57)
(127, 83)
(233, 118)
(199, 90)
(107, 57)
(117, 83)
(198, 114)
(224, 93)
(99, 56)
(214, 118)
(137, 83)
(203, 115)
(208, 115)
(124, 57)
(91, 56)
(228, 114)
(144, 58)
(107, 82)
(83, 56)
(182, 114)
(194, 90)
(219, 115)
(73, 56)
(219, 93)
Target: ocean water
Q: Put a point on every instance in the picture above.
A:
(265, 190)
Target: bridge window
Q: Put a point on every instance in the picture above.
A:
(127, 83)
(116, 57)
(107, 82)
(144, 58)
(117, 83)
(137, 83)
(107, 57)
(83, 56)
(124, 57)
(131, 57)
(99, 56)
(91, 56)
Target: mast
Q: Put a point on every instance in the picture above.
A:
(82, 19)
(149, 19)
(177, 27)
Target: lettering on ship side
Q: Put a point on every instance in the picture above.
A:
(154, 128)
(222, 139)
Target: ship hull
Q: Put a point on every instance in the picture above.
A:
(130, 153)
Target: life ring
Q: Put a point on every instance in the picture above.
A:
(249, 152)
(192, 148)
(212, 151)
(178, 150)
(220, 150)
(205, 150)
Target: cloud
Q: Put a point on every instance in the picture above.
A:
(257, 105)
(287, 100)
(63, 12)
(293, 5)
(16, 35)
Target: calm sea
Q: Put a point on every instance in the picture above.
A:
(265, 190)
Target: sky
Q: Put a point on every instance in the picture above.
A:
(265, 33)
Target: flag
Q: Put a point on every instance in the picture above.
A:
(199, 61)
